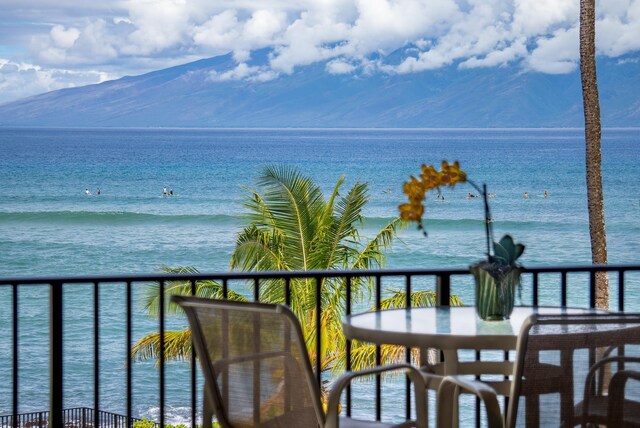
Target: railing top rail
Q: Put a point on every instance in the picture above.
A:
(84, 279)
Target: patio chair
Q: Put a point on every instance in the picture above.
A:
(606, 399)
(596, 356)
(257, 370)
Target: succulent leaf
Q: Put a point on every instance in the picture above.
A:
(507, 243)
(519, 251)
(506, 252)
(501, 254)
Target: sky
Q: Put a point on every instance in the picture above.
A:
(53, 44)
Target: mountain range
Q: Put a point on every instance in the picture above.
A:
(187, 96)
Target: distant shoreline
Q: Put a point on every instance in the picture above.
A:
(280, 129)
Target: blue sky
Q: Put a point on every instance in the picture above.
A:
(52, 44)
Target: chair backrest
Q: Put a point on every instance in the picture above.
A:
(554, 356)
(255, 363)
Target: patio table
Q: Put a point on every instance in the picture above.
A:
(449, 329)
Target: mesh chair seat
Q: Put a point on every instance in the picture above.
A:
(257, 370)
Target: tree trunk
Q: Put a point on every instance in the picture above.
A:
(593, 147)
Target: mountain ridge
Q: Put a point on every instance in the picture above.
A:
(187, 96)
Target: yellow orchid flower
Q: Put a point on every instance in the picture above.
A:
(430, 178)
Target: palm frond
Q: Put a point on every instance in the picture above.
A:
(203, 288)
(340, 235)
(257, 213)
(258, 250)
(296, 204)
(398, 299)
(177, 346)
(363, 356)
(372, 255)
(334, 194)
(151, 300)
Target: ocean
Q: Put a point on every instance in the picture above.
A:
(50, 227)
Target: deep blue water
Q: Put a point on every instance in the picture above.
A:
(49, 227)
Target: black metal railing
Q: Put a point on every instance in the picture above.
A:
(442, 281)
(76, 417)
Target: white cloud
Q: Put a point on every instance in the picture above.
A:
(498, 57)
(352, 36)
(340, 66)
(18, 80)
(244, 71)
(618, 31)
(307, 40)
(159, 24)
(221, 31)
(535, 17)
(241, 55)
(62, 38)
(385, 24)
(263, 26)
(478, 32)
(557, 54)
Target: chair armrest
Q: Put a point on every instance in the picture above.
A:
(588, 384)
(450, 389)
(617, 359)
(616, 402)
(341, 383)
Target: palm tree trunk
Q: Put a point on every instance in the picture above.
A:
(593, 147)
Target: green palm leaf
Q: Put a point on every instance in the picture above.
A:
(204, 288)
(177, 346)
(291, 226)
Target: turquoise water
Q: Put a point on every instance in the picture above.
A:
(49, 227)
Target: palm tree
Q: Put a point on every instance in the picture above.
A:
(292, 227)
(593, 147)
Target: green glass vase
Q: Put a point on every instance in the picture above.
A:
(495, 297)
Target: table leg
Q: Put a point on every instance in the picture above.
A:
(566, 394)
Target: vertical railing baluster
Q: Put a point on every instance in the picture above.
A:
(592, 289)
(478, 404)
(55, 357)
(287, 291)
(443, 289)
(225, 288)
(257, 396)
(535, 289)
(96, 348)
(348, 345)
(288, 378)
(14, 403)
(194, 385)
(621, 290)
(162, 346)
(505, 399)
(407, 351)
(318, 331)
(563, 288)
(378, 354)
(129, 361)
(225, 355)
(256, 390)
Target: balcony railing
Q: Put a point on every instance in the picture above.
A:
(440, 281)
(78, 417)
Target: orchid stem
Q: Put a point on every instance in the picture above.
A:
(487, 220)
(487, 216)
